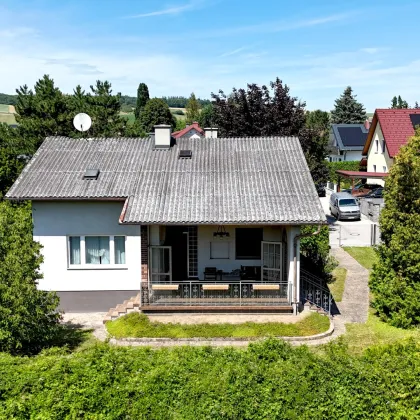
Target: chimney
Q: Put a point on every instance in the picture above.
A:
(210, 133)
(367, 124)
(162, 136)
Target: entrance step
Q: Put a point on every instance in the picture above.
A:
(154, 309)
(128, 306)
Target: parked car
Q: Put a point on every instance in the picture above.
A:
(344, 206)
(377, 193)
(362, 189)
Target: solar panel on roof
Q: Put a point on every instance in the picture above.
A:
(352, 136)
(415, 119)
(91, 174)
(185, 154)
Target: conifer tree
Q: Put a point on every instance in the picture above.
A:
(395, 279)
(398, 103)
(347, 109)
(142, 99)
(192, 110)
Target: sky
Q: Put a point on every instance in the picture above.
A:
(177, 47)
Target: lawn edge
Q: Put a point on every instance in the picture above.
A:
(151, 341)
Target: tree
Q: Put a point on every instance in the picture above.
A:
(29, 319)
(180, 124)
(206, 116)
(142, 99)
(395, 279)
(416, 105)
(318, 120)
(398, 103)
(192, 110)
(156, 112)
(347, 109)
(105, 111)
(258, 111)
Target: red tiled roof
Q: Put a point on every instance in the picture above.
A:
(396, 127)
(181, 133)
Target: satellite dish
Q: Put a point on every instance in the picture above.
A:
(82, 122)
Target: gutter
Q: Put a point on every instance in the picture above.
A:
(295, 240)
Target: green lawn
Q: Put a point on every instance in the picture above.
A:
(364, 255)
(138, 325)
(337, 287)
(4, 108)
(358, 337)
(7, 118)
(128, 116)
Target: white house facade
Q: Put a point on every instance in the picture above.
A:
(196, 224)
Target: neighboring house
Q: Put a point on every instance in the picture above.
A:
(390, 129)
(194, 131)
(195, 224)
(347, 141)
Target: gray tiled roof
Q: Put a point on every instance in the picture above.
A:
(235, 180)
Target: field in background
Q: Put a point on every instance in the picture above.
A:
(130, 115)
(7, 114)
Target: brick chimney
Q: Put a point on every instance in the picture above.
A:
(162, 136)
(210, 132)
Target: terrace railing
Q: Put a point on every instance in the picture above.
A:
(314, 291)
(221, 293)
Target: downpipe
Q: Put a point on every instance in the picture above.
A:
(295, 241)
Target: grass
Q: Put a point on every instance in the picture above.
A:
(138, 325)
(4, 108)
(7, 118)
(363, 255)
(375, 332)
(337, 287)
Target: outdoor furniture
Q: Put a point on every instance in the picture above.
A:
(210, 273)
(250, 272)
(266, 287)
(215, 287)
(165, 286)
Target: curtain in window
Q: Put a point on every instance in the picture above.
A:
(97, 249)
(119, 246)
(74, 249)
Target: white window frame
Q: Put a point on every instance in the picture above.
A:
(267, 268)
(84, 266)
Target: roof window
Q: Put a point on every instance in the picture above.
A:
(91, 174)
(185, 154)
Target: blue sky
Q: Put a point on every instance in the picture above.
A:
(183, 46)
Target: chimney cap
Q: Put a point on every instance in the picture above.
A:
(162, 126)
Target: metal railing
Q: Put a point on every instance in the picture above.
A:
(233, 293)
(314, 291)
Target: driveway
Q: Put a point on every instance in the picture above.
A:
(347, 232)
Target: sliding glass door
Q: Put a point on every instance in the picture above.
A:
(272, 262)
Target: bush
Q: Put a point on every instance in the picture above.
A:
(343, 166)
(268, 380)
(178, 112)
(395, 279)
(29, 319)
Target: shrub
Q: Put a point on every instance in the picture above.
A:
(268, 380)
(344, 166)
(395, 279)
(29, 319)
(178, 112)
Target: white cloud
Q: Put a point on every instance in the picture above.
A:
(168, 11)
(370, 50)
(233, 52)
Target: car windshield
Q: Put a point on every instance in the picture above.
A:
(348, 202)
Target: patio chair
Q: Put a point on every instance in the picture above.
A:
(210, 273)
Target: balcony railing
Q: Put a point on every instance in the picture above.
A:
(232, 293)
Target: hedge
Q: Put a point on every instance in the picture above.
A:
(268, 380)
(344, 166)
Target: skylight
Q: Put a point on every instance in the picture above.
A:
(91, 174)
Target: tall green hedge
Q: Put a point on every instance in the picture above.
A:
(353, 165)
(269, 380)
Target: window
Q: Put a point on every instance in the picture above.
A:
(160, 264)
(376, 146)
(374, 168)
(219, 250)
(383, 146)
(383, 169)
(248, 243)
(95, 251)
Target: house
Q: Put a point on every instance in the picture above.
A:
(347, 141)
(390, 129)
(195, 224)
(194, 131)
